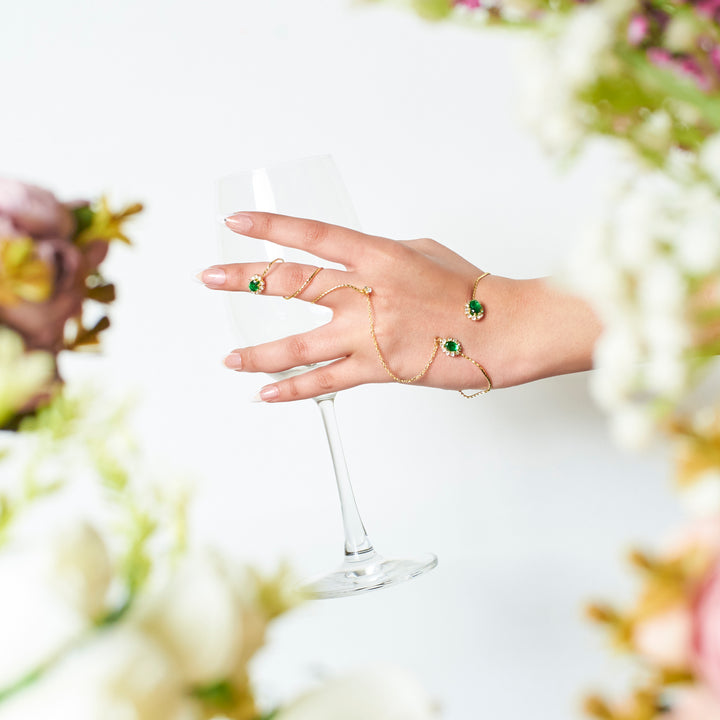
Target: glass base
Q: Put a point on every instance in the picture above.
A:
(362, 573)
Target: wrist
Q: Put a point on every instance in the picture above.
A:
(538, 331)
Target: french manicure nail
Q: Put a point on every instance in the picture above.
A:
(212, 277)
(233, 361)
(239, 222)
(269, 392)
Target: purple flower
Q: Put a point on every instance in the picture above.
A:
(29, 211)
(33, 211)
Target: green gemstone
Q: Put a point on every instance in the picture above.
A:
(476, 307)
(254, 285)
(452, 346)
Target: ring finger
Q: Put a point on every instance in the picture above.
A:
(320, 345)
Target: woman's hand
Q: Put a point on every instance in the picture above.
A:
(419, 292)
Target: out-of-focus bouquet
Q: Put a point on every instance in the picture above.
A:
(108, 611)
(644, 75)
(50, 254)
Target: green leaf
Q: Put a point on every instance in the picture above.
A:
(270, 715)
(433, 9)
(218, 695)
(83, 218)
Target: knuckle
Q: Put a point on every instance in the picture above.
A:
(266, 225)
(399, 251)
(315, 233)
(297, 350)
(249, 358)
(324, 380)
(295, 277)
(292, 389)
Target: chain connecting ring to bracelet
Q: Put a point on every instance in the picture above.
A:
(450, 346)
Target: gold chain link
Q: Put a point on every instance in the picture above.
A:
(367, 292)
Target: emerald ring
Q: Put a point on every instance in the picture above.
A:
(256, 284)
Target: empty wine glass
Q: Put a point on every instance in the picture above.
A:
(309, 188)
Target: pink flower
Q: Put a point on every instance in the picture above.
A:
(665, 639)
(660, 57)
(706, 632)
(474, 4)
(33, 211)
(697, 703)
(638, 29)
(702, 534)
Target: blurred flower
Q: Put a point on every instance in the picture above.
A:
(23, 275)
(706, 632)
(117, 674)
(23, 376)
(196, 615)
(380, 693)
(664, 639)
(696, 703)
(638, 29)
(34, 211)
(42, 324)
(54, 589)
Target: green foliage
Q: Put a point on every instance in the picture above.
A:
(219, 696)
(433, 9)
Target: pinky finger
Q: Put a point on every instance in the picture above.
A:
(338, 375)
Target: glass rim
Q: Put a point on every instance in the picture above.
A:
(275, 166)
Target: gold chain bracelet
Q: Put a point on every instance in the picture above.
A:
(450, 346)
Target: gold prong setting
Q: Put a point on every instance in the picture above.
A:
(256, 284)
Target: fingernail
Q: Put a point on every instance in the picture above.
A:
(239, 222)
(269, 392)
(233, 361)
(212, 277)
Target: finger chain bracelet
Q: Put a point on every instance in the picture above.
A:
(474, 310)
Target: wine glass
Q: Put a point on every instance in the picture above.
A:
(309, 188)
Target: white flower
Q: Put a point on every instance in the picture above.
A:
(53, 589)
(381, 693)
(78, 568)
(702, 496)
(632, 427)
(22, 375)
(665, 334)
(666, 375)
(681, 34)
(697, 245)
(661, 287)
(587, 36)
(196, 615)
(710, 158)
(656, 132)
(119, 674)
(548, 105)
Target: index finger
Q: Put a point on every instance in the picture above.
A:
(332, 242)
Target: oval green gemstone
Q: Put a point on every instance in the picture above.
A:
(254, 285)
(452, 346)
(476, 307)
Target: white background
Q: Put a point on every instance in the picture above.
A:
(520, 493)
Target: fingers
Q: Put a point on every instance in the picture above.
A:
(331, 242)
(281, 279)
(339, 375)
(320, 345)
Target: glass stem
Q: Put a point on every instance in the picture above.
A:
(357, 542)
